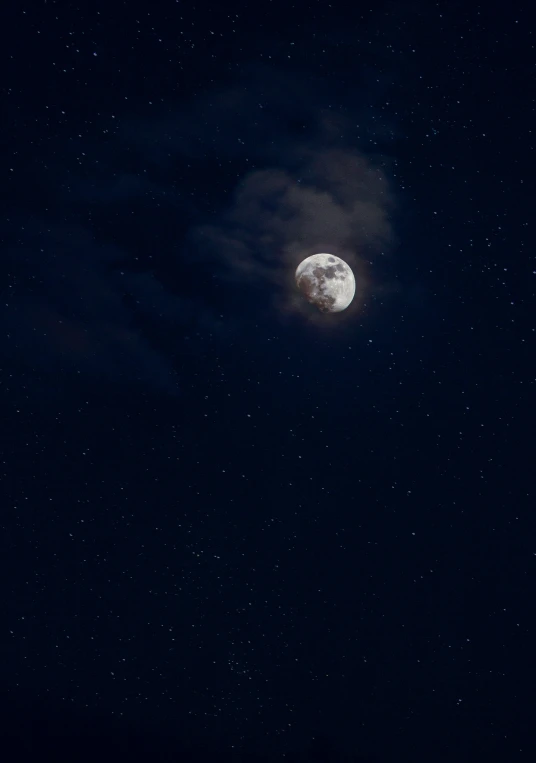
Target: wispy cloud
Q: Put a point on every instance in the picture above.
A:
(304, 185)
(67, 310)
(336, 201)
(284, 178)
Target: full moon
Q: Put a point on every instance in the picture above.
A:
(326, 282)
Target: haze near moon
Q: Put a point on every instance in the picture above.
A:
(326, 281)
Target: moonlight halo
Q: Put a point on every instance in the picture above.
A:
(326, 281)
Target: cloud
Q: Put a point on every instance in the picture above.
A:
(304, 186)
(335, 200)
(341, 204)
(232, 188)
(67, 310)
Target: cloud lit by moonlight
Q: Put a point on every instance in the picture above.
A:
(337, 202)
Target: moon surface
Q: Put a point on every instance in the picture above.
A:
(326, 282)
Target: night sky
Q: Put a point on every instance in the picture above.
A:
(235, 528)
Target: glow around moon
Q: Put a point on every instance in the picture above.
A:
(326, 281)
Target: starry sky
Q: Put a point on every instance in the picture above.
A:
(235, 528)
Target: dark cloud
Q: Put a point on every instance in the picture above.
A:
(239, 185)
(303, 185)
(67, 310)
(256, 117)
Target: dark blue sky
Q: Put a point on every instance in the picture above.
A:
(233, 526)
